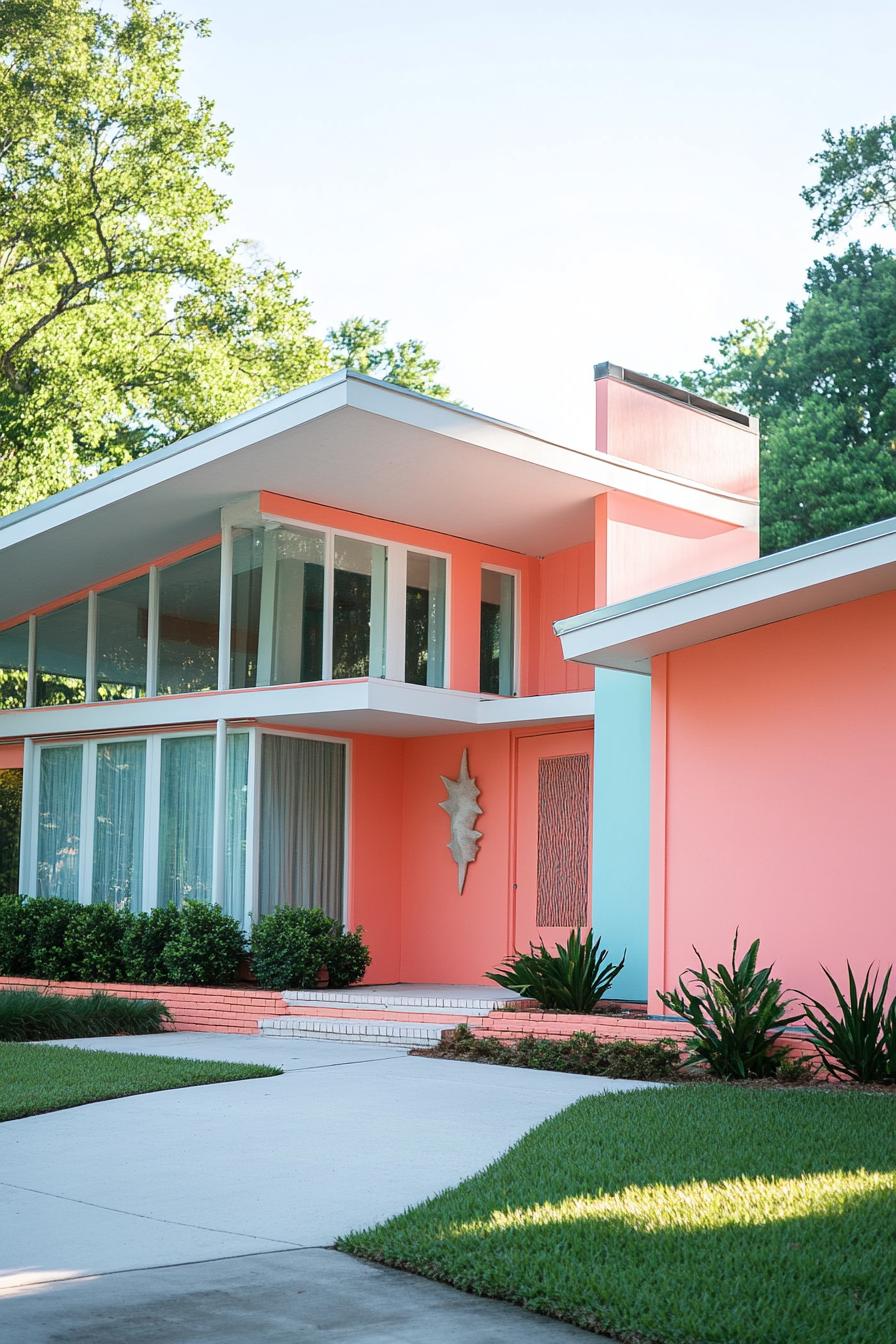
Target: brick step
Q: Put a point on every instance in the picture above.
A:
(374, 1030)
(389, 1001)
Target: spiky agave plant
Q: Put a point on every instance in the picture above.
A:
(861, 1042)
(571, 979)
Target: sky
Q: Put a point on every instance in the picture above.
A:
(531, 188)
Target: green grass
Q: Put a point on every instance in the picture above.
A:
(708, 1214)
(37, 1078)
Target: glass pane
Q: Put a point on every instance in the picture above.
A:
(118, 825)
(276, 632)
(122, 622)
(235, 839)
(189, 602)
(186, 818)
(359, 609)
(59, 822)
(14, 666)
(62, 656)
(245, 605)
(10, 828)
(298, 607)
(424, 620)
(496, 633)
(301, 824)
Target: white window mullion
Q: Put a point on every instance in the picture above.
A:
(329, 567)
(90, 677)
(253, 812)
(219, 814)
(267, 603)
(88, 806)
(225, 602)
(396, 601)
(151, 798)
(152, 635)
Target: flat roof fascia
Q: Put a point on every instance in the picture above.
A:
(807, 578)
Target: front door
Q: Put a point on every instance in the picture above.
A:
(553, 837)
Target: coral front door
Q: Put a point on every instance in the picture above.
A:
(553, 837)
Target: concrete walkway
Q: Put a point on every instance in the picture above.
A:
(205, 1210)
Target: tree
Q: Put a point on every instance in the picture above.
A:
(358, 343)
(824, 385)
(123, 325)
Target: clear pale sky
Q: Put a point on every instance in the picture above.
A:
(533, 187)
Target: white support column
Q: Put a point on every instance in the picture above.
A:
(90, 673)
(396, 598)
(224, 606)
(26, 831)
(266, 615)
(30, 690)
(152, 635)
(219, 827)
(329, 566)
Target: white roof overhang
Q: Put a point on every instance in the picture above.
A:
(347, 441)
(822, 574)
(385, 708)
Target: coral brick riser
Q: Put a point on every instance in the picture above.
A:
(192, 1008)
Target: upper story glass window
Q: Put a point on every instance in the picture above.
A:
(424, 619)
(61, 656)
(14, 666)
(277, 604)
(497, 636)
(359, 608)
(189, 602)
(122, 638)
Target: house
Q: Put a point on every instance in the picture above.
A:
(773, 755)
(239, 668)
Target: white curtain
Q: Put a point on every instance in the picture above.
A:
(235, 839)
(186, 819)
(118, 828)
(59, 822)
(302, 824)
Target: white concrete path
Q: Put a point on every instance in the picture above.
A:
(350, 1134)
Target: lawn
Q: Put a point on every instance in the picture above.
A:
(708, 1214)
(37, 1078)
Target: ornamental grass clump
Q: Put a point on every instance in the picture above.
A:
(860, 1043)
(29, 1015)
(571, 979)
(738, 1016)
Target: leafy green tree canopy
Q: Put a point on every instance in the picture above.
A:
(123, 323)
(856, 178)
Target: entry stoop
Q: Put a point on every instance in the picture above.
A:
(400, 1015)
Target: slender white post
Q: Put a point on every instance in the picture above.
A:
(90, 669)
(30, 685)
(26, 832)
(152, 635)
(219, 828)
(396, 598)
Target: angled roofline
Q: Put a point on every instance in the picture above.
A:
(792, 582)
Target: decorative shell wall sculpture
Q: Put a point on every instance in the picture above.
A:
(463, 809)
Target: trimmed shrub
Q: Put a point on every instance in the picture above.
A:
(571, 979)
(860, 1043)
(15, 936)
(347, 959)
(738, 1016)
(93, 942)
(29, 1015)
(291, 946)
(143, 945)
(206, 947)
(49, 918)
(582, 1052)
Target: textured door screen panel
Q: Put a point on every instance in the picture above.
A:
(563, 820)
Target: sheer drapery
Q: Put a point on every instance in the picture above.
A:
(118, 826)
(186, 815)
(59, 822)
(302, 824)
(235, 839)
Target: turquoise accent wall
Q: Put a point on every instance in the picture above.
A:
(622, 823)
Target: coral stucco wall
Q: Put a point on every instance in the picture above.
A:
(777, 811)
(447, 937)
(375, 843)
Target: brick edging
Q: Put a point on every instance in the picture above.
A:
(192, 1007)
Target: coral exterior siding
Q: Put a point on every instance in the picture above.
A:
(776, 796)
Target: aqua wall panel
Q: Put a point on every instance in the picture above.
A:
(621, 861)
